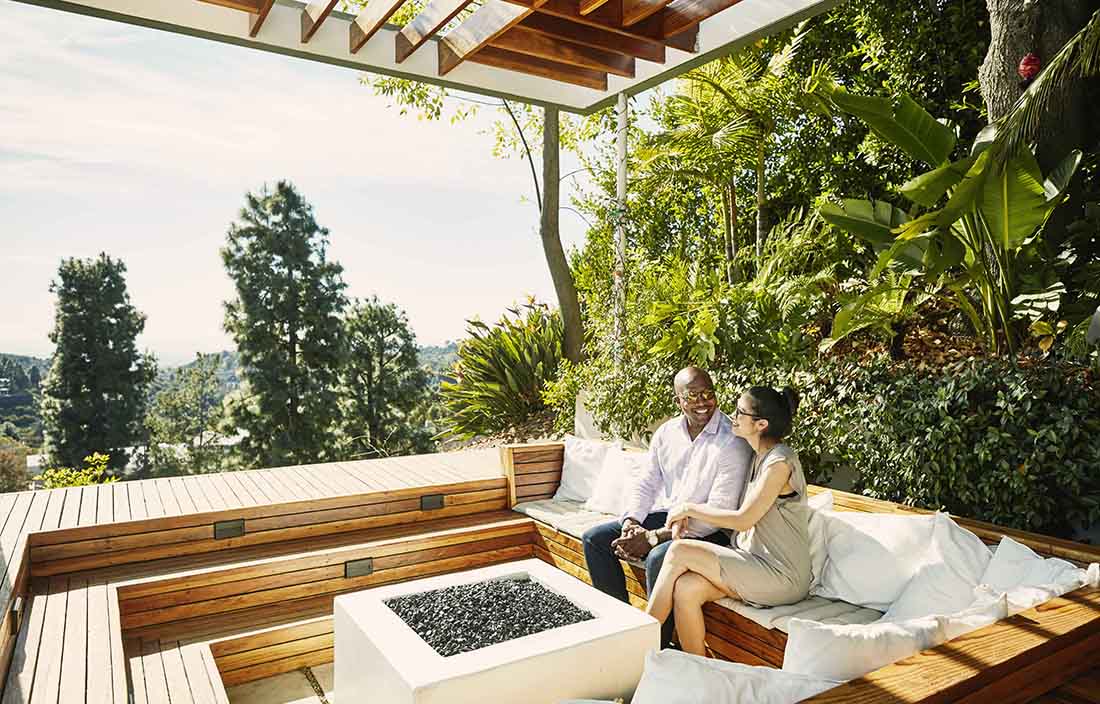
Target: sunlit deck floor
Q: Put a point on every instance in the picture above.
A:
(66, 548)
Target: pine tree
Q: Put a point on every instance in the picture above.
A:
(287, 326)
(182, 421)
(384, 390)
(93, 396)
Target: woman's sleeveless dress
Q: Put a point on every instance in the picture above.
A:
(770, 563)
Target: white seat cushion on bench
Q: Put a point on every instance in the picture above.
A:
(571, 518)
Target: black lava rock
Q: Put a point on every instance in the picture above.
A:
(470, 616)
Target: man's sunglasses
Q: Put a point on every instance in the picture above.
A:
(694, 396)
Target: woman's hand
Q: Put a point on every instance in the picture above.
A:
(678, 513)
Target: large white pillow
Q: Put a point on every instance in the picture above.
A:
(620, 467)
(946, 575)
(819, 550)
(581, 467)
(871, 556)
(673, 677)
(844, 652)
(1016, 565)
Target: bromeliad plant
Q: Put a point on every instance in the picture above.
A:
(501, 371)
(975, 233)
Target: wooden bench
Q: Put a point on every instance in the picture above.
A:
(1017, 659)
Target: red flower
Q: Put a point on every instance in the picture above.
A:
(1029, 66)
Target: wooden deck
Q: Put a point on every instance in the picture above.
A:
(66, 552)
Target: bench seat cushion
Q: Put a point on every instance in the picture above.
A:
(571, 518)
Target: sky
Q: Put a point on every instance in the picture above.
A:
(142, 144)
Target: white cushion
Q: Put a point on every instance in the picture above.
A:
(1016, 565)
(818, 540)
(673, 677)
(846, 652)
(871, 556)
(947, 573)
(619, 467)
(979, 615)
(581, 467)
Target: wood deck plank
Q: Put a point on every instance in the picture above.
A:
(138, 510)
(100, 670)
(315, 488)
(175, 675)
(435, 467)
(137, 671)
(358, 484)
(273, 486)
(340, 480)
(215, 678)
(153, 505)
(7, 501)
(179, 490)
(198, 677)
(20, 678)
(122, 501)
(47, 678)
(89, 503)
(52, 517)
(167, 497)
(218, 483)
(292, 483)
(74, 658)
(258, 490)
(119, 660)
(194, 486)
(156, 682)
(105, 497)
(70, 514)
(355, 471)
(243, 492)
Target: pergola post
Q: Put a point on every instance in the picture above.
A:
(619, 275)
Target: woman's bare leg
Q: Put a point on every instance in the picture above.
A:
(684, 556)
(692, 591)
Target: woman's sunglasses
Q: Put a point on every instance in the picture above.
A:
(737, 413)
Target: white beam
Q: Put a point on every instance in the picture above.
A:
(736, 26)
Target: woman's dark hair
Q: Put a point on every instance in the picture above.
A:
(776, 407)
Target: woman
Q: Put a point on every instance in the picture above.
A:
(770, 562)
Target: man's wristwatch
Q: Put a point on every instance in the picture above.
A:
(651, 538)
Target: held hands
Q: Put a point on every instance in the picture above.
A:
(678, 517)
(633, 543)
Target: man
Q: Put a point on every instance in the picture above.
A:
(695, 458)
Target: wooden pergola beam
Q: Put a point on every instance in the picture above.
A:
(256, 19)
(245, 5)
(502, 58)
(635, 11)
(370, 20)
(596, 38)
(435, 15)
(490, 21)
(608, 17)
(682, 15)
(313, 15)
(527, 41)
(587, 6)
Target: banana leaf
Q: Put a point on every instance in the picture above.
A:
(927, 188)
(901, 122)
(873, 221)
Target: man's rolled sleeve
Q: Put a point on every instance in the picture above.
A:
(642, 493)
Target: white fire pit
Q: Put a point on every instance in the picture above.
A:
(379, 659)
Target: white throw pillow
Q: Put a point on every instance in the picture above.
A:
(620, 467)
(983, 612)
(1016, 565)
(581, 467)
(871, 556)
(946, 575)
(673, 677)
(819, 550)
(845, 652)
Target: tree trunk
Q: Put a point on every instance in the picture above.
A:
(1019, 27)
(760, 218)
(729, 201)
(568, 303)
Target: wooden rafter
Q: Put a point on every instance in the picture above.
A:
(502, 58)
(587, 6)
(608, 17)
(313, 15)
(245, 5)
(635, 11)
(370, 20)
(491, 19)
(256, 19)
(683, 15)
(596, 38)
(435, 15)
(527, 41)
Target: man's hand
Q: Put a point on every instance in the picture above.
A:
(630, 528)
(634, 546)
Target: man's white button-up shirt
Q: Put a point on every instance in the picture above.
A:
(711, 469)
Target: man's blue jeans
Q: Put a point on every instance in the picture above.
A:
(606, 572)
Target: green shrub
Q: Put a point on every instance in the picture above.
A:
(501, 371)
(13, 466)
(1014, 445)
(93, 471)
